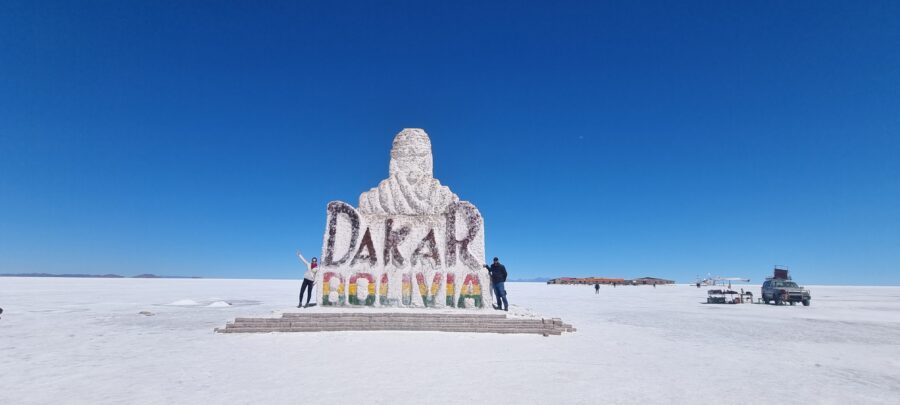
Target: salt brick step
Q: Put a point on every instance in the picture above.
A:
(465, 323)
(295, 318)
(388, 326)
(351, 326)
(307, 323)
(408, 328)
(447, 328)
(390, 322)
(394, 320)
(387, 315)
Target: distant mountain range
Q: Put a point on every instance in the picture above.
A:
(89, 275)
(530, 280)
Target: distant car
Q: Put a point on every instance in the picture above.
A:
(779, 290)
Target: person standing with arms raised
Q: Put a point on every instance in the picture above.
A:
(309, 279)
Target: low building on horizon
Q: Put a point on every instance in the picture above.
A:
(651, 281)
(610, 281)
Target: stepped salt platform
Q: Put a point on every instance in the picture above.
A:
(397, 321)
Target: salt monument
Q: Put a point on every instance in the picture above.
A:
(411, 242)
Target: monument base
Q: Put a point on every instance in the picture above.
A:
(371, 320)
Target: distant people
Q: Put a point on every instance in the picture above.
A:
(1, 311)
(597, 288)
(309, 279)
(498, 278)
(654, 285)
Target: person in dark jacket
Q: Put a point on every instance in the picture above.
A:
(498, 278)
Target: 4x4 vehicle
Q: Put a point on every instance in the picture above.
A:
(781, 289)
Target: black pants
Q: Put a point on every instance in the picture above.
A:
(306, 285)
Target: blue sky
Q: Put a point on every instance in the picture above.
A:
(618, 139)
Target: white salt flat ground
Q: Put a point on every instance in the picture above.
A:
(82, 341)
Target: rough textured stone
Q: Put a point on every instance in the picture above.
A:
(411, 188)
(411, 242)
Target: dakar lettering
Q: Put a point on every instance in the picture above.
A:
(349, 257)
(393, 240)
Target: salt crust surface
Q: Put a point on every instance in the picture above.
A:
(83, 341)
(184, 303)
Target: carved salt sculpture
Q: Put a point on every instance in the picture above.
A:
(411, 242)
